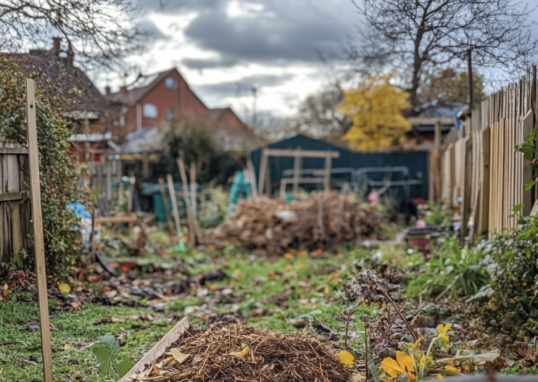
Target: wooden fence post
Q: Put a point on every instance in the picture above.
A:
(39, 246)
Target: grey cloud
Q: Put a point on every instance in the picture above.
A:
(284, 31)
(244, 85)
(197, 63)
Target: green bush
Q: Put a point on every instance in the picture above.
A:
(453, 271)
(58, 173)
(198, 145)
(215, 209)
(512, 298)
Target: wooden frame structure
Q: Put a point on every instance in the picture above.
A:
(298, 155)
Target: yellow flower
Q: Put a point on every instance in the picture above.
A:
(346, 358)
(439, 376)
(443, 329)
(452, 369)
(415, 345)
(403, 364)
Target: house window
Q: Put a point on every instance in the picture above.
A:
(150, 110)
(170, 83)
(170, 113)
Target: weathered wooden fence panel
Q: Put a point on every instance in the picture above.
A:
(479, 163)
(15, 208)
(103, 176)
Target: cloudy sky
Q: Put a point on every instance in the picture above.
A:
(224, 48)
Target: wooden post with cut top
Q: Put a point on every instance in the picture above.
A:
(37, 222)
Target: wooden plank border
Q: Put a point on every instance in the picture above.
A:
(158, 350)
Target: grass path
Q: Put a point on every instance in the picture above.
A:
(265, 293)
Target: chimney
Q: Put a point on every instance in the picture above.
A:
(56, 45)
(107, 90)
(123, 89)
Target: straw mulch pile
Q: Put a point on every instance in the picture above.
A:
(324, 220)
(239, 353)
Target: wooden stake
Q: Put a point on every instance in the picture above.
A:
(252, 176)
(183, 174)
(39, 246)
(263, 169)
(166, 208)
(172, 193)
(192, 174)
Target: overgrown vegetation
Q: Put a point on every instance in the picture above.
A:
(452, 272)
(512, 298)
(58, 172)
(213, 163)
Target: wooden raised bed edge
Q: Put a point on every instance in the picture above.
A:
(158, 350)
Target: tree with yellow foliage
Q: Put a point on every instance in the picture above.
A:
(375, 108)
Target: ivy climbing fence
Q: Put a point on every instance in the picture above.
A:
(481, 169)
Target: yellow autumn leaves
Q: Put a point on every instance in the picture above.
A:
(416, 364)
(375, 108)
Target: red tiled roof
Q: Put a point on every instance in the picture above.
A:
(135, 94)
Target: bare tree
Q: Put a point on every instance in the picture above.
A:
(317, 115)
(419, 37)
(97, 31)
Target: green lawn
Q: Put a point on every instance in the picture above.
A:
(275, 291)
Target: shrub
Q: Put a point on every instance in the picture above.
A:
(197, 143)
(453, 271)
(58, 173)
(512, 298)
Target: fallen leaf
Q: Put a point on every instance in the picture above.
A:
(241, 354)
(403, 364)
(303, 266)
(31, 361)
(213, 287)
(179, 356)
(64, 288)
(32, 326)
(346, 358)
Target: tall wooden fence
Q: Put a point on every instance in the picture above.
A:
(15, 208)
(480, 166)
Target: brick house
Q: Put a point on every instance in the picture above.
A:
(153, 101)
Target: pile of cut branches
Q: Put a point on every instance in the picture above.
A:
(324, 220)
(239, 353)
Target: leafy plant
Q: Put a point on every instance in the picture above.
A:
(530, 153)
(453, 271)
(413, 364)
(106, 350)
(214, 210)
(511, 260)
(58, 172)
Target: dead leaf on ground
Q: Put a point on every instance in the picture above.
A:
(179, 356)
(241, 354)
(64, 288)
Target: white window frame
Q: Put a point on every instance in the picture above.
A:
(150, 110)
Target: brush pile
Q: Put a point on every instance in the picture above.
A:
(324, 220)
(239, 353)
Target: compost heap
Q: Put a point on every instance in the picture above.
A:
(239, 353)
(324, 220)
